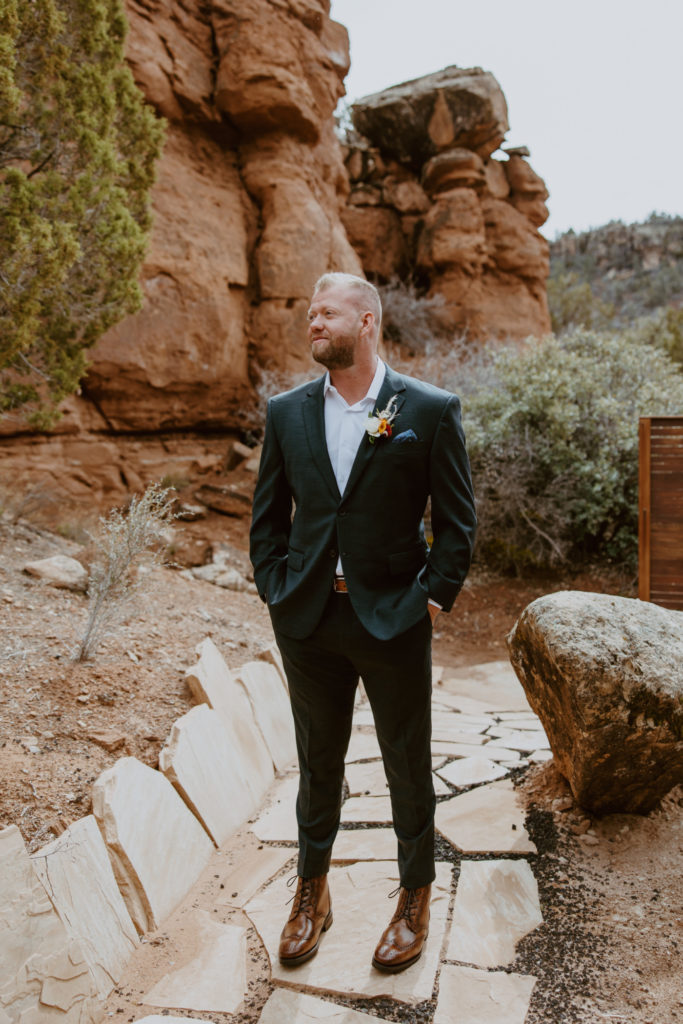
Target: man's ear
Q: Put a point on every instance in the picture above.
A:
(367, 322)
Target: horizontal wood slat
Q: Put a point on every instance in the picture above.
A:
(660, 529)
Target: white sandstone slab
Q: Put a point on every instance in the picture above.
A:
(273, 657)
(364, 844)
(77, 875)
(367, 779)
(211, 682)
(363, 746)
(502, 754)
(361, 911)
(157, 846)
(272, 710)
(363, 716)
(489, 819)
(453, 721)
(215, 978)
(523, 740)
(471, 771)
(493, 685)
(540, 755)
(525, 724)
(286, 1007)
(367, 809)
(466, 705)
(157, 1018)
(496, 905)
(205, 768)
(277, 822)
(43, 969)
(493, 752)
(468, 996)
(250, 871)
(441, 734)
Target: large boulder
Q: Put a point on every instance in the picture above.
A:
(605, 676)
(453, 107)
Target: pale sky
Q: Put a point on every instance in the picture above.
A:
(594, 88)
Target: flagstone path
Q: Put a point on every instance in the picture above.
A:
(483, 728)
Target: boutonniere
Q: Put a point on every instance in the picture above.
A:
(379, 423)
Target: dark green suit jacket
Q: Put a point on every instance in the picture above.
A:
(301, 522)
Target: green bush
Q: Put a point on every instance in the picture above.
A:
(78, 148)
(572, 304)
(553, 441)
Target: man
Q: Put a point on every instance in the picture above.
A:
(339, 554)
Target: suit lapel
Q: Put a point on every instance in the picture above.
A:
(392, 386)
(314, 420)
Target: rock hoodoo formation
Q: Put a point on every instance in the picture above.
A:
(428, 200)
(604, 676)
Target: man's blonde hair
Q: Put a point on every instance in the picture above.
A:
(366, 292)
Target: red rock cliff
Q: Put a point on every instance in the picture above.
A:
(247, 206)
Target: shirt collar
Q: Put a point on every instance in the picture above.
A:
(373, 390)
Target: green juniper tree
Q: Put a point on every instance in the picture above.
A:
(78, 148)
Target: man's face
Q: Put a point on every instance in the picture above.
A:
(334, 326)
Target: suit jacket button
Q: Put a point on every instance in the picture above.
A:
(333, 553)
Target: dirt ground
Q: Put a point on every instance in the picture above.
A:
(611, 890)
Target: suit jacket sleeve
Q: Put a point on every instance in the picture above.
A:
(272, 510)
(453, 510)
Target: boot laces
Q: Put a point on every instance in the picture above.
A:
(303, 898)
(407, 903)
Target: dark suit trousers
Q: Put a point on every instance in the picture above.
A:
(322, 672)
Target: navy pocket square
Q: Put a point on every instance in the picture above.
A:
(406, 435)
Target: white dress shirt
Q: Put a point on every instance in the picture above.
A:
(345, 428)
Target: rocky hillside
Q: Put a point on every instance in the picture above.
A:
(636, 268)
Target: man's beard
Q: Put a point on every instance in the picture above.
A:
(338, 354)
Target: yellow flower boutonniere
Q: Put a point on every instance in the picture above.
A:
(379, 423)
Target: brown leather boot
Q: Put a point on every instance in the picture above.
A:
(401, 943)
(311, 915)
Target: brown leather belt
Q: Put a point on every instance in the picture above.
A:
(339, 585)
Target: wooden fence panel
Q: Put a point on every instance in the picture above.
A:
(660, 528)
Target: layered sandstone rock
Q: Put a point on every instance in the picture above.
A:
(604, 676)
(429, 202)
(246, 207)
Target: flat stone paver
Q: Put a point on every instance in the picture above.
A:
(489, 819)
(206, 770)
(215, 978)
(364, 844)
(460, 723)
(77, 875)
(369, 779)
(524, 740)
(496, 905)
(446, 734)
(470, 771)
(159, 847)
(367, 809)
(361, 912)
(277, 824)
(363, 746)
(157, 1018)
(493, 685)
(468, 996)
(251, 871)
(286, 1007)
(492, 750)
